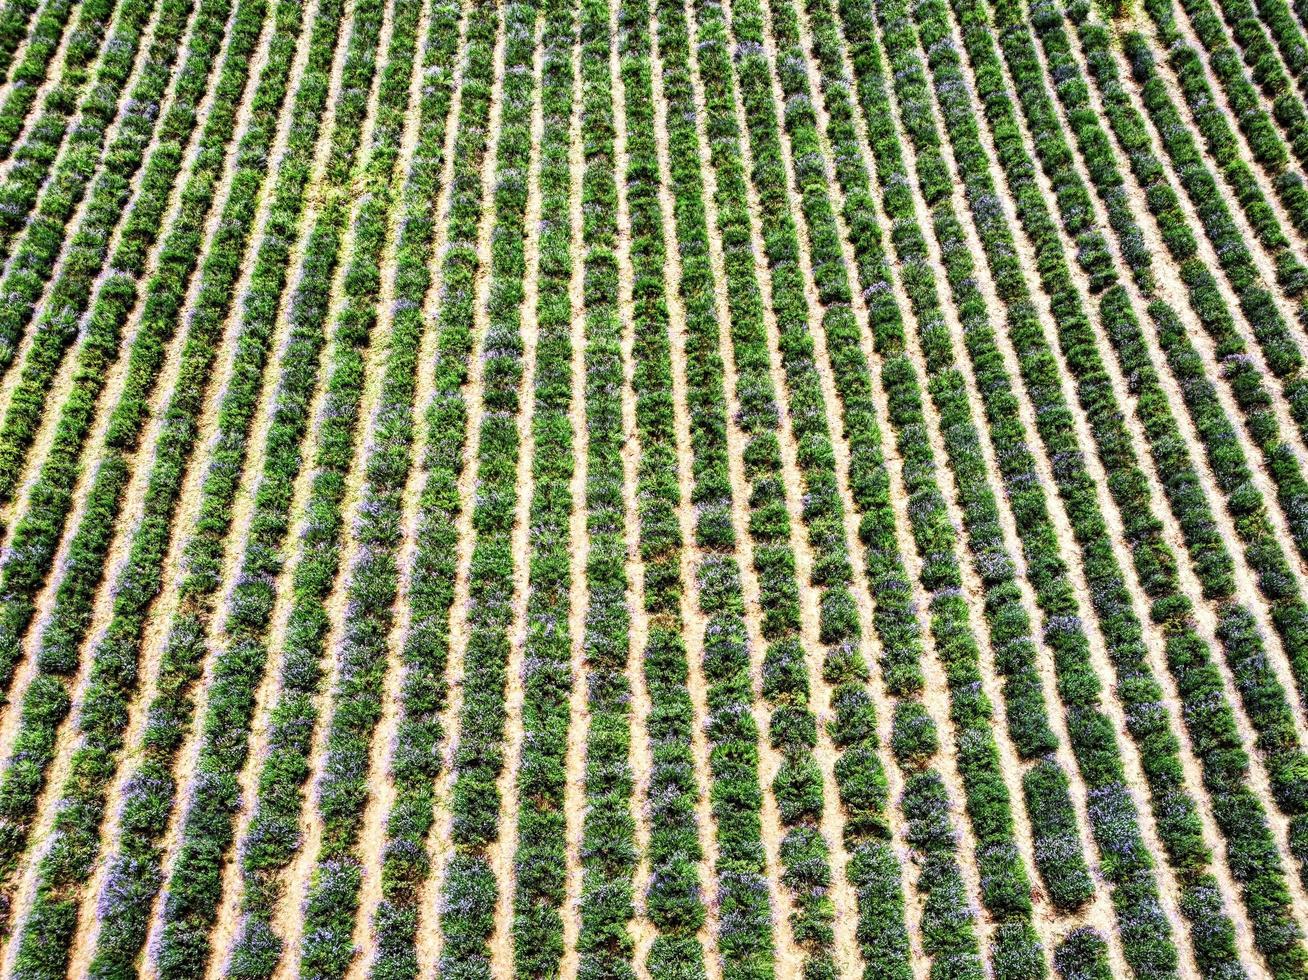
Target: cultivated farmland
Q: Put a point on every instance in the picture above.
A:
(653, 489)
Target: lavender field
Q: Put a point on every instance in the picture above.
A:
(653, 489)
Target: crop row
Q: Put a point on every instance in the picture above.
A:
(608, 848)
(1272, 75)
(113, 305)
(734, 791)
(787, 671)
(185, 655)
(65, 866)
(88, 55)
(196, 879)
(540, 860)
(1273, 337)
(1264, 698)
(1113, 820)
(745, 939)
(48, 697)
(15, 24)
(424, 654)
(469, 893)
(115, 658)
(1265, 144)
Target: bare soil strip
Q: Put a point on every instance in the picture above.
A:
(1152, 636)
(574, 797)
(1205, 613)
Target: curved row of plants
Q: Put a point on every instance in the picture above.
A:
(195, 881)
(53, 198)
(371, 582)
(947, 925)
(18, 26)
(47, 700)
(540, 857)
(1056, 845)
(119, 300)
(1279, 348)
(115, 659)
(148, 808)
(135, 867)
(674, 898)
(1114, 826)
(76, 256)
(745, 940)
(469, 893)
(1263, 696)
(416, 763)
(32, 69)
(135, 262)
(31, 141)
(1254, 862)
(66, 866)
(734, 790)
